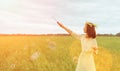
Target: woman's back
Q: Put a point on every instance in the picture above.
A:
(88, 44)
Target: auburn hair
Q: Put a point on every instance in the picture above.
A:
(91, 32)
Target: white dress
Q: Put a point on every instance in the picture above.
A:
(86, 59)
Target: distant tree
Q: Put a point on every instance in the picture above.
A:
(105, 34)
(118, 34)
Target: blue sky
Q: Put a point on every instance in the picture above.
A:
(36, 16)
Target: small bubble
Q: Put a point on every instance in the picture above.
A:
(52, 45)
(35, 55)
(12, 66)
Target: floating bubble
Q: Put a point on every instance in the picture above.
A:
(35, 56)
(52, 45)
(13, 66)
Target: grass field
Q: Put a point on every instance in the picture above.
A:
(54, 53)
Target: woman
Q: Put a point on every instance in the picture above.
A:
(89, 47)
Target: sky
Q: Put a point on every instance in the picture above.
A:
(37, 16)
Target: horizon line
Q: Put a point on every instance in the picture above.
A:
(5, 34)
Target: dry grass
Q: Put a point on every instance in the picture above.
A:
(54, 53)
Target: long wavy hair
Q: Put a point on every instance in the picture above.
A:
(90, 31)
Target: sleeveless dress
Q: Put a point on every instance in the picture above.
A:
(86, 59)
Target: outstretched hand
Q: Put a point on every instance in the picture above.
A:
(59, 24)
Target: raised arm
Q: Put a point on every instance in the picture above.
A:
(65, 28)
(68, 30)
